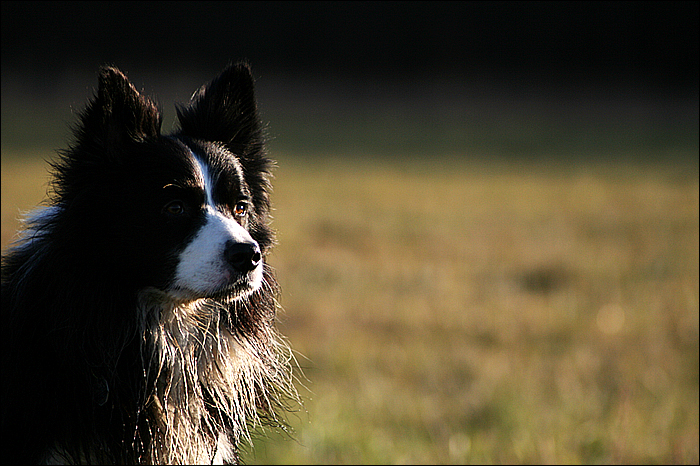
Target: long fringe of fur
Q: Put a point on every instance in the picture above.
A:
(208, 384)
(212, 382)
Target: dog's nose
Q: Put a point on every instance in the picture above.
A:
(243, 257)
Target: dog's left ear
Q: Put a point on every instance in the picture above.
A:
(225, 111)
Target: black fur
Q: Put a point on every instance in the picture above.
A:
(81, 379)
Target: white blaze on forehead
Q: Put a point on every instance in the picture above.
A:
(202, 267)
(204, 175)
(202, 171)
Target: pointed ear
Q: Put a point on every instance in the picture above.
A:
(118, 113)
(225, 111)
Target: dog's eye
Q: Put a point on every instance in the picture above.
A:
(174, 208)
(241, 209)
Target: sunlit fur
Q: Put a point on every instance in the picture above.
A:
(112, 351)
(197, 356)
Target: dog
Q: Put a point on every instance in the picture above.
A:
(138, 308)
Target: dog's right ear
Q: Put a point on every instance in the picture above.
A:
(118, 113)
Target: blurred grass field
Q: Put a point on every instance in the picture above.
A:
(456, 311)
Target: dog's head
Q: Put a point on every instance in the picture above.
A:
(186, 213)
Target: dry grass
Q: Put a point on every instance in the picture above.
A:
(459, 312)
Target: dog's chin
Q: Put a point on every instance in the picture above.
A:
(236, 291)
(240, 288)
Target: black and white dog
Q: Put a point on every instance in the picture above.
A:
(137, 306)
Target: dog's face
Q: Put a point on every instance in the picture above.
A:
(185, 213)
(213, 207)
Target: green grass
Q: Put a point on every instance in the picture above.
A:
(465, 312)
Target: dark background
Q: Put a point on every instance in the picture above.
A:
(564, 43)
(366, 77)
